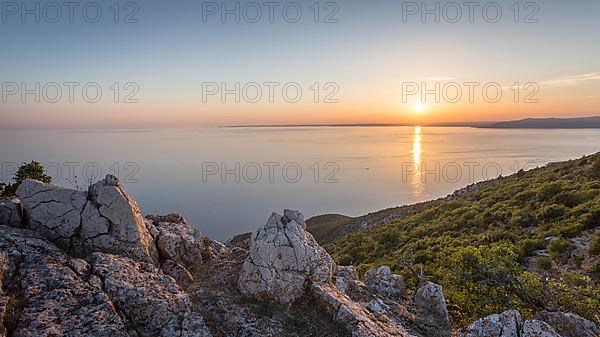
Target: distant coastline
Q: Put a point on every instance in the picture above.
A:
(527, 123)
(549, 123)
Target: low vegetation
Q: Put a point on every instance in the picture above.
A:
(516, 243)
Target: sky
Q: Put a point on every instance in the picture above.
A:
(203, 63)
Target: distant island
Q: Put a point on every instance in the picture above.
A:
(548, 123)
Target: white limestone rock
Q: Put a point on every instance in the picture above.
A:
(506, 324)
(536, 328)
(52, 211)
(104, 219)
(509, 324)
(383, 282)
(56, 300)
(152, 302)
(568, 324)
(345, 278)
(354, 317)
(430, 299)
(127, 232)
(283, 258)
(176, 240)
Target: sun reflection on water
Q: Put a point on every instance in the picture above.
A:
(416, 156)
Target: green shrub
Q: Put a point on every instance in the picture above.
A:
(527, 246)
(544, 263)
(522, 218)
(595, 246)
(595, 271)
(593, 219)
(551, 212)
(568, 199)
(596, 168)
(548, 191)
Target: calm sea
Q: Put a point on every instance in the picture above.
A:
(228, 180)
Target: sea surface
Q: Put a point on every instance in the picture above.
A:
(227, 181)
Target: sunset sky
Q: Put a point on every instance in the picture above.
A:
(370, 54)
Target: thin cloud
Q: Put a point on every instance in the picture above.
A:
(569, 81)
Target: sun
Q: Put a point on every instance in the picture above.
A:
(419, 108)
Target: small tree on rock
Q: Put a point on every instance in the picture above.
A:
(32, 170)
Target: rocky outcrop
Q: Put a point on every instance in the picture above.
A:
(104, 219)
(506, 324)
(356, 318)
(535, 328)
(178, 272)
(429, 298)
(151, 301)
(382, 281)
(509, 324)
(180, 242)
(345, 278)
(44, 296)
(283, 257)
(569, 325)
(76, 263)
(10, 212)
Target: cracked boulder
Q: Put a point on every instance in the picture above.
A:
(104, 219)
(429, 298)
(10, 212)
(151, 301)
(382, 281)
(569, 325)
(43, 296)
(283, 259)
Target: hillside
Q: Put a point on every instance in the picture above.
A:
(527, 241)
(549, 123)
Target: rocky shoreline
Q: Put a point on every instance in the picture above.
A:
(87, 263)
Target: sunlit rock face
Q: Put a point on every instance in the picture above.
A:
(283, 257)
(105, 218)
